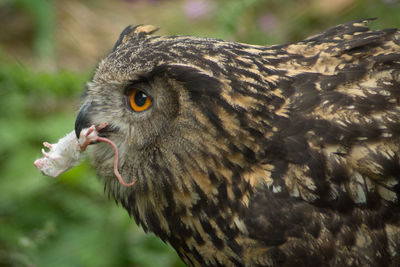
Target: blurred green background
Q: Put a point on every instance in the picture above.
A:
(48, 49)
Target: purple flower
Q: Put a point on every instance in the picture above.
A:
(267, 22)
(197, 9)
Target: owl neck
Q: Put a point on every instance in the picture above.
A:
(194, 213)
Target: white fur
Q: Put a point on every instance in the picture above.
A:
(63, 155)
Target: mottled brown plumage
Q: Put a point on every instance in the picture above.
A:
(286, 155)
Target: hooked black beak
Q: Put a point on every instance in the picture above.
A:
(82, 120)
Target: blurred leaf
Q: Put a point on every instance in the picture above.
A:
(42, 13)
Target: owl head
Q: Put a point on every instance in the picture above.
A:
(183, 111)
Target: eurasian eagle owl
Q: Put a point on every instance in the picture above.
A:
(250, 155)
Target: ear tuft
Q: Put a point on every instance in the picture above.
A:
(146, 29)
(131, 31)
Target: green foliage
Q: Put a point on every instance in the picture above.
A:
(42, 15)
(63, 222)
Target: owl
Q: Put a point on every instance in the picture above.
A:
(247, 155)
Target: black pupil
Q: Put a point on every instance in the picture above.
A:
(140, 98)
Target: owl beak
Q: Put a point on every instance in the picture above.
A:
(82, 120)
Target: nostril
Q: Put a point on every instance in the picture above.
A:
(82, 120)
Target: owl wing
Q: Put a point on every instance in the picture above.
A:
(336, 137)
(332, 163)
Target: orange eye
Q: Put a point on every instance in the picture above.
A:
(139, 101)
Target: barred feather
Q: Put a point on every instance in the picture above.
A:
(285, 155)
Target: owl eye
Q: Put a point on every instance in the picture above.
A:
(139, 101)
